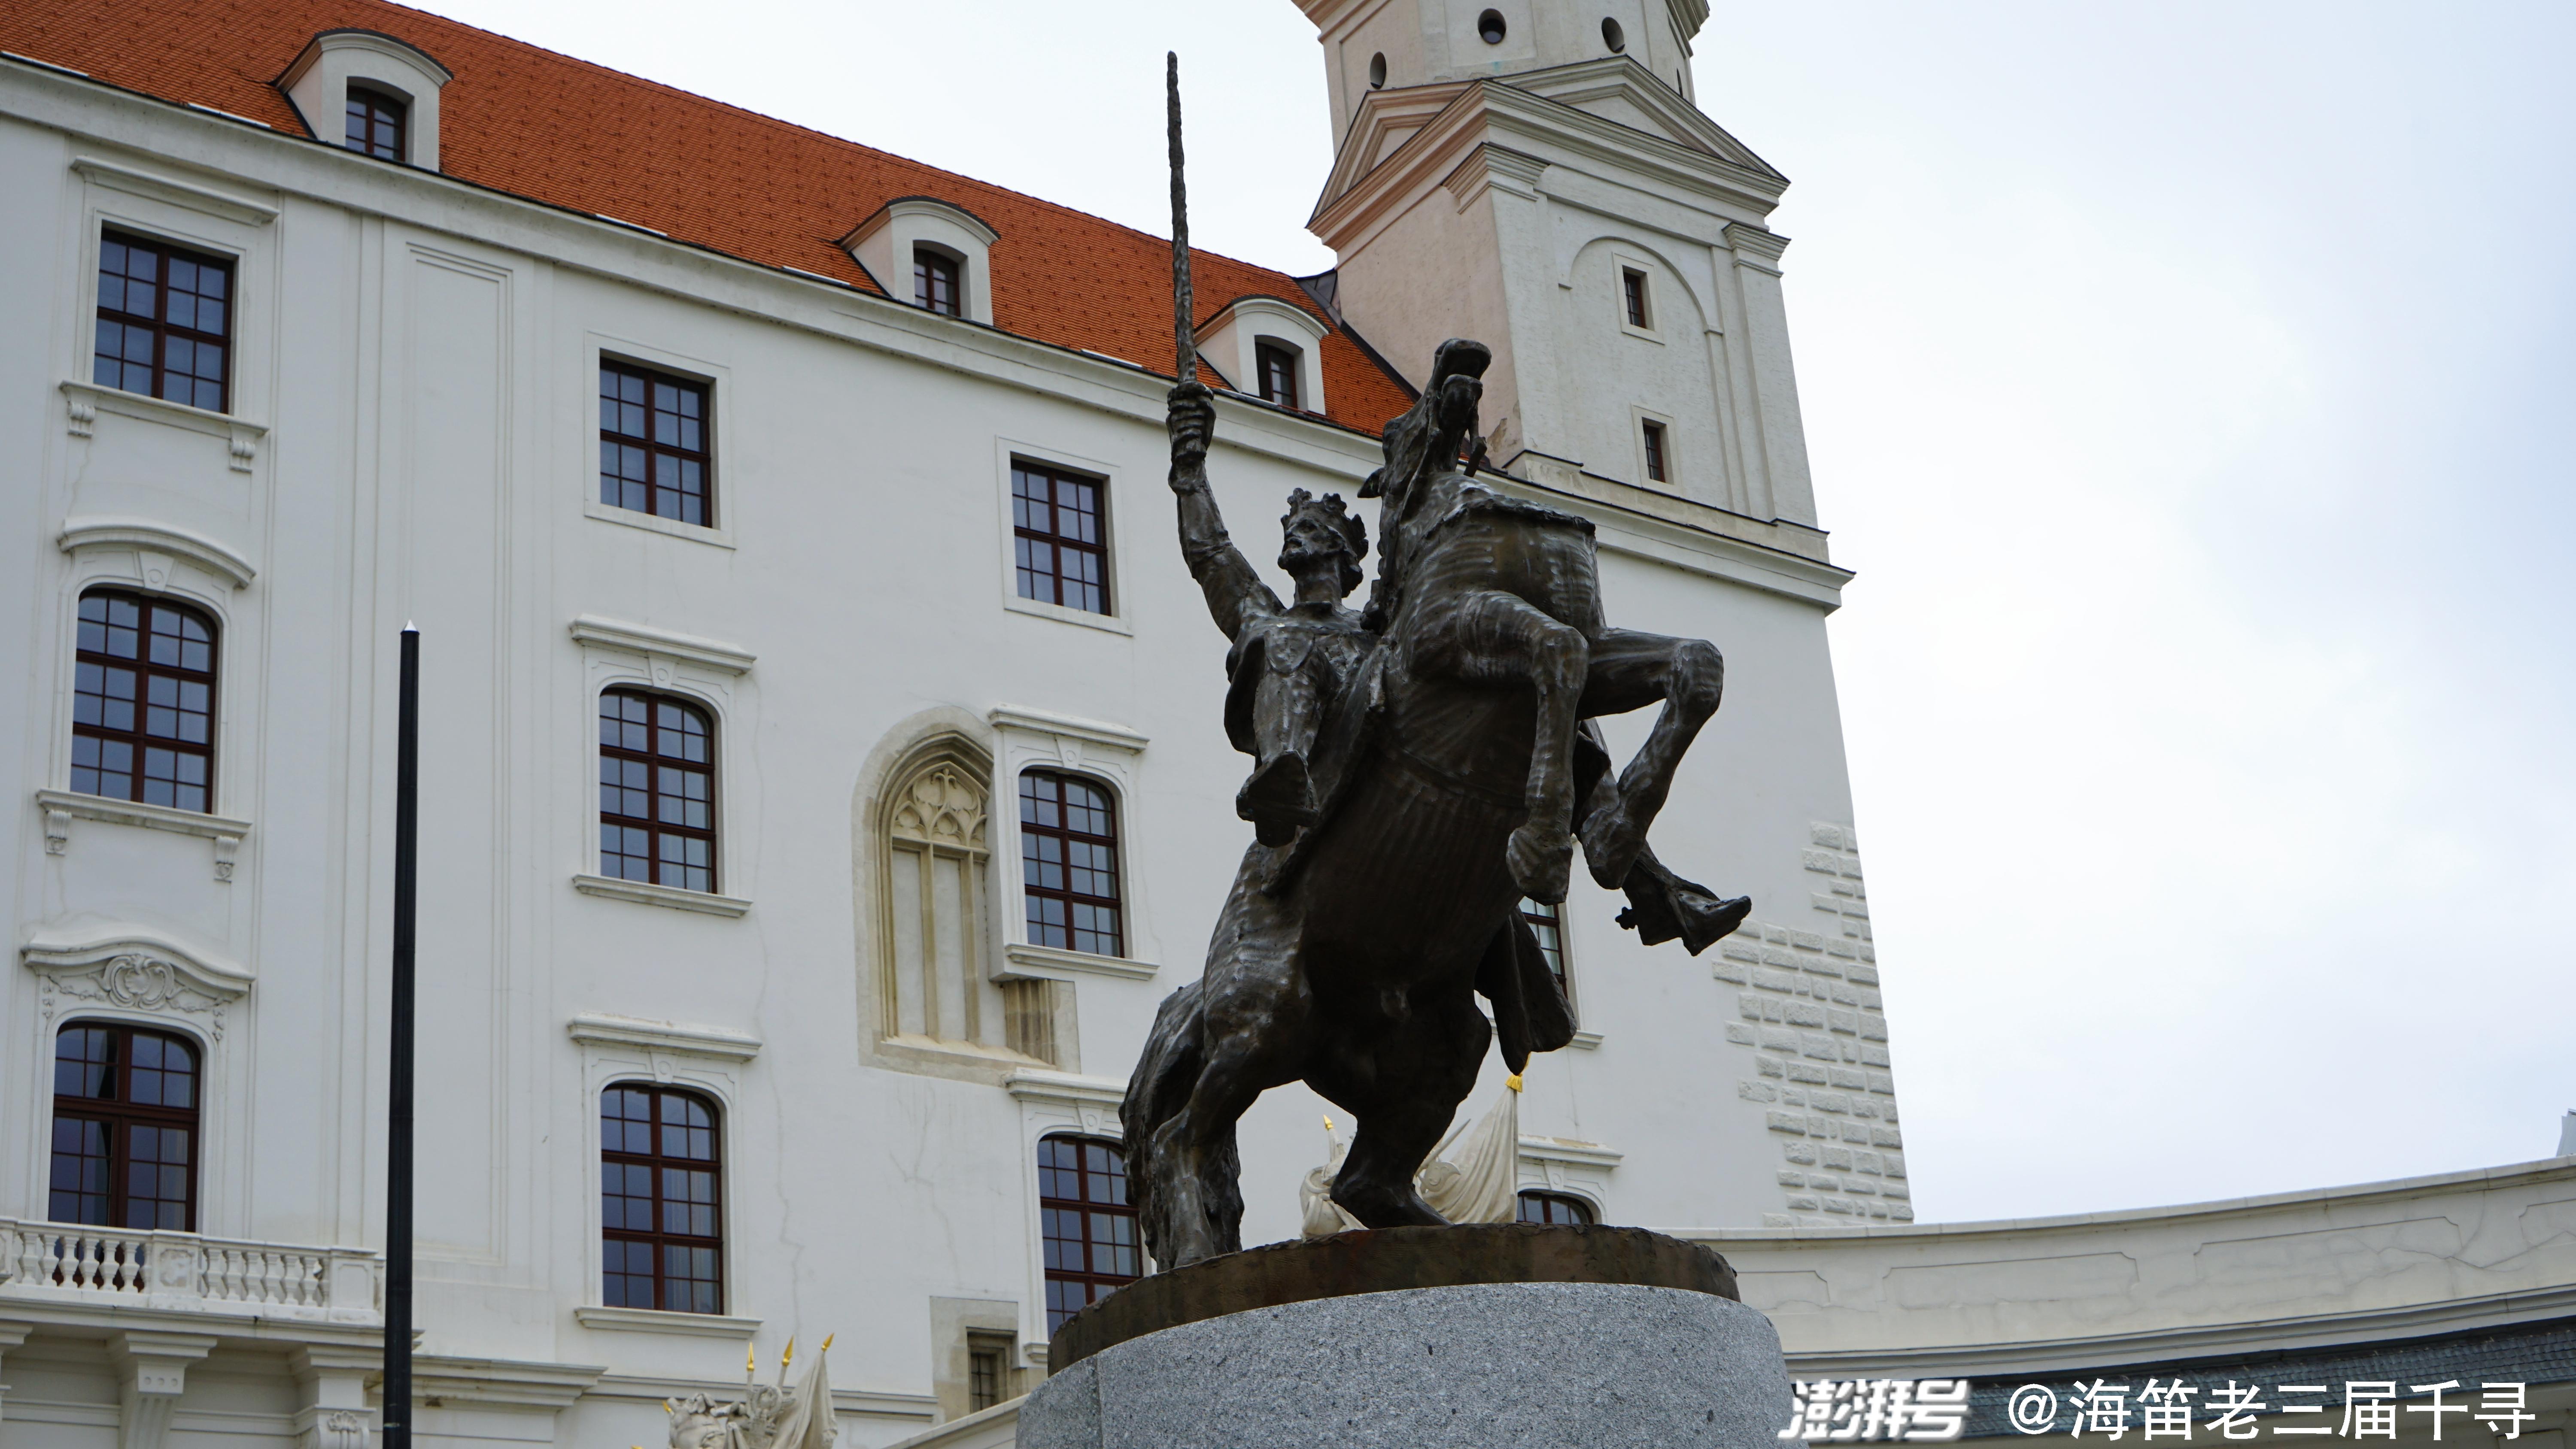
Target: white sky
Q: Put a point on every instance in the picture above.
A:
(2189, 384)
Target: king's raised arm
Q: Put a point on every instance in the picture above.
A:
(1235, 593)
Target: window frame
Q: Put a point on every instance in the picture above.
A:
(123, 1114)
(654, 376)
(1102, 546)
(1123, 1208)
(1655, 451)
(377, 99)
(943, 264)
(227, 340)
(1585, 1213)
(1112, 843)
(712, 833)
(1636, 299)
(139, 739)
(1548, 924)
(1290, 362)
(654, 1162)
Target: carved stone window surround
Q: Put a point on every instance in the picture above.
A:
(656, 1320)
(156, 546)
(1111, 754)
(1113, 548)
(706, 1059)
(1053, 1103)
(62, 807)
(705, 671)
(1576, 1169)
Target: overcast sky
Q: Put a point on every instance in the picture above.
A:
(2190, 385)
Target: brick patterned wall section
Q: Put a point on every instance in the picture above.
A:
(1812, 1016)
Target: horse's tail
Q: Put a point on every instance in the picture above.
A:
(1166, 1073)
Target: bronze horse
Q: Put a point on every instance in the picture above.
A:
(1448, 776)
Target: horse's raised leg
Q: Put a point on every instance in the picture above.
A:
(1503, 640)
(1629, 670)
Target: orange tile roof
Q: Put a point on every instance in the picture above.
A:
(544, 126)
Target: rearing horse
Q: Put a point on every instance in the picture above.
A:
(1451, 772)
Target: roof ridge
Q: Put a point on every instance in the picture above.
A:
(765, 118)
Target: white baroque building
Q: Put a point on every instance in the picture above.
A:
(823, 771)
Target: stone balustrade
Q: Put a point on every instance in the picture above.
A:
(188, 1272)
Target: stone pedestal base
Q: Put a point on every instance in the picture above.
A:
(1490, 1365)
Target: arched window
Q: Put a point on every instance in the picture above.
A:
(1069, 863)
(125, 1128)
(1554, 1208)
(1086, 1223)
(143, 701)
(1277, 363)
(376, 124)
(658, 1209)
(937, 282)
(657, 791)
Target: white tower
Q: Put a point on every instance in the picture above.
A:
(1533, 173)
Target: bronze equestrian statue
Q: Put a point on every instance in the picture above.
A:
(1438, 761)
(1418, 769)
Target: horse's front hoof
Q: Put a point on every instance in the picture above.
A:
(1541, 861)
(1611, 844)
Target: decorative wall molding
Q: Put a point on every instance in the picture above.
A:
(1570, 1152)
(654, 1320)
(135, 971)
(1065, 1088)
(136, 182)
(502, 1383)
(1063, 727)
(1050, 963)
(659, 645)
(602, 1029)
(704, 902)
(62, 807)
(149, 539)
(1057, 1101)
(87, 400)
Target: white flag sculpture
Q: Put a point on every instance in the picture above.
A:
(1472, 1177)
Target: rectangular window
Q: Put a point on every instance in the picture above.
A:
(654, 445)
(1086, 1225)
(164, 322)
(1059, 537)
(143, 702)
(1632, 295)
(375, 124)
(1658, 464)
(1278, 371)
(1549, 927)
(662, 1225)
(934, 282)
(988, 1370)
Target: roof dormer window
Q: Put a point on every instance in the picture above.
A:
(382, 91)
(936, 283)
(376, 123)
(1270, 348)
(1275, 365)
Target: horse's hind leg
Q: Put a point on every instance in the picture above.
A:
(1497, 638)
(1415, 1076)
(1629, 670)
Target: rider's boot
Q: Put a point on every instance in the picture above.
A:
(1612, 841)
(1279, 799)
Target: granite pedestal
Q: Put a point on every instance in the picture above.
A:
(1475, 1364)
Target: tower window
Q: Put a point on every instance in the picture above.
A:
(143, 702)
(1277, 364)
(988, 1359)
(1549, 927)
(657, 785)
(1612, 36)
(1069, 863)
(1555, 1208)
(164, 322)
(653, 444)
(934, 282)
(663, 1236)
(125, 1129)
(1086, 1223)
(376, 124)
(1377, 71)
(1490, 26)
(1632, 298)
(1658, 463)
(1059, 543)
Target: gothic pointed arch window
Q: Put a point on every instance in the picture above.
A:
(937, 987)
